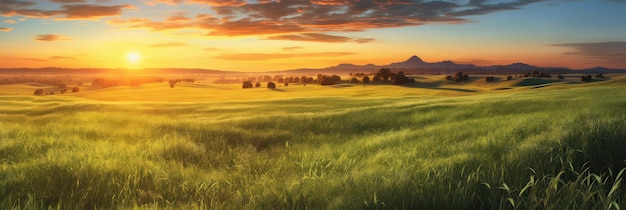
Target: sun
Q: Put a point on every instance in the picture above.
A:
(133, 57)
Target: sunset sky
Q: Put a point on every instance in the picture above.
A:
(264, 35)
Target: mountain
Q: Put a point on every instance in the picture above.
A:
(418, 66)
(413, 62)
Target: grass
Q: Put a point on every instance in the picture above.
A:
(373, 147)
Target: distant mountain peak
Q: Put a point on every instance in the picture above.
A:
(414, 59)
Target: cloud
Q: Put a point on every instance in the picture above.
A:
(273, 56)
(66, 11)
(87, 11)
(9, 21)
(220, 2)
(610, 51)
(317, 37)
(213, 49)
(50, 37)
(5, 29)
(60, 57)
(302, 20)
(169, 44)
(298, 20)
(68, 1)
(33, 59)
(168, 2)
(292, 48)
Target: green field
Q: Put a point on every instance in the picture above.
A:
(524, 144)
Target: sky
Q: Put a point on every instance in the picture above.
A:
(266, 35)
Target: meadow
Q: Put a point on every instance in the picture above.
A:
(521, 144)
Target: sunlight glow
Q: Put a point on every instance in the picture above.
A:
(133, 57)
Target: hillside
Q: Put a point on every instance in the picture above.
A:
(317, 147)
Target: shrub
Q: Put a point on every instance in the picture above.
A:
(448, 77)
(366, 79)
(599, 76)
(459, 76)
(509, 77)
(247, 84)
(286, 84)
(586, 78)
(329, 80)
(354, 80)
(271, 85)
(490, 79)
(561, 77)
(75, 90)
(39, 92)
(258, 84)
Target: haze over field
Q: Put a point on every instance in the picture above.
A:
(269, 35)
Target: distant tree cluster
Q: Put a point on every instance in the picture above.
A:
(382, 74)
(53, 81)
(135, 81)
(62, 89)
(490, 79)
(358, 74)
(173, 82)
(365, 79)
(561, 77)
(537, 74)
(458, 77)
(328, 79)
(400, 78)
(509, 77)
(586, 78)
(600, 76)
(247, 84)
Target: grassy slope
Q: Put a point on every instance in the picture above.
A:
(316, 147)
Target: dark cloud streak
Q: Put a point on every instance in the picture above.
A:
(610, 51)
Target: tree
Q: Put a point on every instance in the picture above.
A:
(366, 79)
(247, 84)
(459, 76)
(383, 73)
(271, 85)
(75, 90)
(329, 80)
(400, 78)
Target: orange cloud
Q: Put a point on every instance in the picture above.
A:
(249, 27)
(60, 57)
(302, 20)
(67, 11)
(220, 2)
(49, 37)
(271, 56)
(68, 1)
(292, 48)
(168, 2)
(86, 11)
(10, 21)
(169, 44)
(5, 29)
(317, 37)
